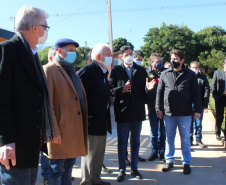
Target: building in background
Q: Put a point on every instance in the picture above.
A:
(5, 35)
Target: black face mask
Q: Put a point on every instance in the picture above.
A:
(175, 64)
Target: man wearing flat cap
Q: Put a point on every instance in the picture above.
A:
(69, 112)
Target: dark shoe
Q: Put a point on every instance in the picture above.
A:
(153, 156)
(121, 176)
(187, 169)
(105, 169)
(162, 156)
(103, 183)
(200, 144)
(46, 182)
(141, 159)
(218, 137)
(127, 162)
(72, 178)
(136, 174)
(167, 167)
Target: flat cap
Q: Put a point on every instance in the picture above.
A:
(64, 42)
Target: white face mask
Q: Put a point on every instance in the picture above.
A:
(42, 39)
(196, 71)
(107, 61)
(129, 59)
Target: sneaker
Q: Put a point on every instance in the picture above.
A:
(218, 137)
(105, 169)
(167, 167)
(141, 159)
(136, 174)
(200, 144)
(153, 156)
(121, 176)
(187, 169)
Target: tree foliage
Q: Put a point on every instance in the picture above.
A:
(81, 55)
(118, 43)
(43, 55)
(166, 38)
(211, 46)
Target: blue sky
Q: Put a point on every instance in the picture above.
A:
(131, 19)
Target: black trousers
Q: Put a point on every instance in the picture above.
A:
(220, 105)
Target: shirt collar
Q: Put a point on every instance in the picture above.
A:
(128, 66)
(34, 51)
(104, 70)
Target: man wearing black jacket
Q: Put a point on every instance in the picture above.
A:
(204, 88)
(176, 91)
(157, 135)
(94, 79)
(219, 95)
(128, 83)
(25, 114)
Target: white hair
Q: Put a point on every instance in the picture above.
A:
(28, 16)
(98, 48)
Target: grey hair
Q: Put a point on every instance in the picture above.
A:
(28, 16)
(51, 52)
(98, 48)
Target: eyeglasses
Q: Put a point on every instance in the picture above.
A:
(47, 27)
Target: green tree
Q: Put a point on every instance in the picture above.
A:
(212, 59)
(118, 43)
(81, 56)
(43, 55)
(211, 46)
(166, 38)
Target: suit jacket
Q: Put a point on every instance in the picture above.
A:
(21, 102)
(68, 119)
(218, 84)
(98, 97)
(129, 106)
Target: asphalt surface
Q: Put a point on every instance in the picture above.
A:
(208, 164)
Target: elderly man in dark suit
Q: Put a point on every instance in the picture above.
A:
(128, 82)
(219, 95)
(25, 116)
(94, 79)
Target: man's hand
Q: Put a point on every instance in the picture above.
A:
(127, 87)
(150, 85)
(159, 114)
(196, 115)
(57, 139)
(7, 152)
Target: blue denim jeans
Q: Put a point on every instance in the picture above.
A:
(157, 136)
(60, 171)
(196, 124)
(44, 166)
(183, 123)
(123, 130)
(18, 176)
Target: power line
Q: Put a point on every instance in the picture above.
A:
(147, 9)
(72, 14)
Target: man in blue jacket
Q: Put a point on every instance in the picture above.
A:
(176, 91)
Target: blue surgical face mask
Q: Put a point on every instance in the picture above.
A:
(71, 56)
(138, 62)
(107, 61)
(158, 65)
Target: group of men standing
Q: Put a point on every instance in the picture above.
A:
(67, 114)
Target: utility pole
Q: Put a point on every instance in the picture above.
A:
(110, 30)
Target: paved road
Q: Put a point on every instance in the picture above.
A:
(208, 164)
